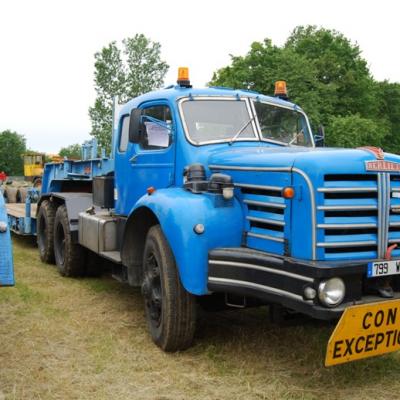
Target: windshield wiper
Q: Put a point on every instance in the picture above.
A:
(241, 130)
(296, 137)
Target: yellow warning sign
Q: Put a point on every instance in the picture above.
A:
(365, 331)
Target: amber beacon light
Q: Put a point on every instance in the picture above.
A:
(183, 77)
(281, 90)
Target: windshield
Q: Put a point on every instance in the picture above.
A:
(282, 124)
(217, 120)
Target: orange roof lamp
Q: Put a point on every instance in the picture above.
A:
(183, 77)
(281, 90)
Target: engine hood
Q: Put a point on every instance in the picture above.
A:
(310, 160)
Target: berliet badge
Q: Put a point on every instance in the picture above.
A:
(380, 164)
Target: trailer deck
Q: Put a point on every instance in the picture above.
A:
(22, 218)
(18, 209)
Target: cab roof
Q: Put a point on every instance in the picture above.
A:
(173, 93)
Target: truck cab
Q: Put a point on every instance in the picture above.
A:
(223, 192)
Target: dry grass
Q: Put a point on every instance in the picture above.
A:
(87, 339)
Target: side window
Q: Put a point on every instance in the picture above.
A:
(123, 138)
(158, 127)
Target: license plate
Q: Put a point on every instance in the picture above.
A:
(383, 268)
(363, 331)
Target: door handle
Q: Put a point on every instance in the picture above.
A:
(133, 159)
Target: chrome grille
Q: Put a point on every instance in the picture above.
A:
(361, 215)
(265, 216)
(351, 216)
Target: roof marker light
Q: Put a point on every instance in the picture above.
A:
(281, 90)
(183, 77)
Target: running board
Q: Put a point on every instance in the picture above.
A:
(114, 256)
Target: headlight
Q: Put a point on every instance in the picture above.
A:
(331, 292)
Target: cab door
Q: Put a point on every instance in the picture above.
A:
(149, 163)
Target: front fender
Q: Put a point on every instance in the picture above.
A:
(178, 212)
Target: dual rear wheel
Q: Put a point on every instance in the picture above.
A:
(55, 240)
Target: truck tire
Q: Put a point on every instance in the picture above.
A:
(21, 194)
(170, 309)
(11, 194)
(69, 256)
(45, 229)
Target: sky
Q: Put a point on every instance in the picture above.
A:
(47, 48)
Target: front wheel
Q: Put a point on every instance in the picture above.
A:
(70, 256)
(170, 309)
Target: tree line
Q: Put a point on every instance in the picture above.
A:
(325, 72)
(328, 77)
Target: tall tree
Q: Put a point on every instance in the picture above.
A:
(126, 73)
(12, 146)
(339, 66)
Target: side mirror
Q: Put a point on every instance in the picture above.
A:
(319, 139)
(135, 126)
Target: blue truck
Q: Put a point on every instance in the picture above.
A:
(226, 194)
(6, 256)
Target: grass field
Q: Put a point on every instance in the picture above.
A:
(87, 339)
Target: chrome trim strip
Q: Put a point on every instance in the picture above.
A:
(261, 203)
(267, 237)
(393, 224)
(344, 208)
(266, 220)
(395, 189)
(347, 244)
(347, 189)
(264, 288)
(380, 216)
(261, 268)
(386, 211)
(347, 226)
(259, 169)
(313, 210)
(261, 187)
(394, 240)
(285, 169)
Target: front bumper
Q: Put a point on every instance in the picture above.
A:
(281, 280)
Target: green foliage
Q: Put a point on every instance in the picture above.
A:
(72, 151)
(12, 146)
(126, 73)
(355, 131)
(328, 77)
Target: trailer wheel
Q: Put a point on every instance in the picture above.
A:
(69, 256)
(22, 194)
(170, 309)
(45, 229)
(11, 194)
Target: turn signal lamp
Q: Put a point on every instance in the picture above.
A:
(281, 90)
(150, 190)
(288, 192)
(183, 77)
